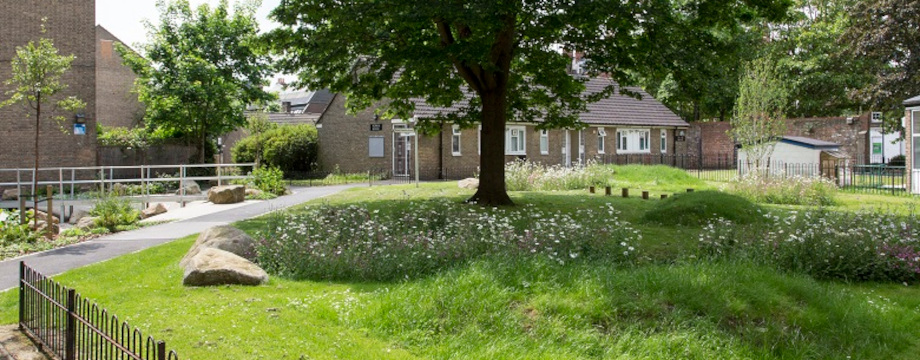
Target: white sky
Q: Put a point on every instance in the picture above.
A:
(125, 18)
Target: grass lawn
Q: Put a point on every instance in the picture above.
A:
(665, 307)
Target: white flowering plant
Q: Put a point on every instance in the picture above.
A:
(12, 231)
(357, 243)
(786, 190)
(530, 176)
(861, 246)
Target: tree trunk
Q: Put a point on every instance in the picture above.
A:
(492, 190)
(38, 116)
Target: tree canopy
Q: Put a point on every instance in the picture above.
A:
(498, 59)
(200, 70)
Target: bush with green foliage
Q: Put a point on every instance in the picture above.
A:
(701, 207)
(861, 246)
(356, 243)
(269, 180)
(12, 232)
(292, 148)
(782, 190)
(112, 212)
(898, 160)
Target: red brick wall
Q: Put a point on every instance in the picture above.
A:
(116, 104)
(71, 24)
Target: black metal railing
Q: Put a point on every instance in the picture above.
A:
(69, 327)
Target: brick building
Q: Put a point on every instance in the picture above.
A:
(618, 125)
(71, 24)
(116, 103)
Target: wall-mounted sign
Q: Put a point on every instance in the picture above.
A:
(376, 127)
(79, 129)
(680, 138)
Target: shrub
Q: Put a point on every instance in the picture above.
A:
(12, 232)
(898, 160)
(699, 208)
(793, 190)
(269, 180)
(112, 212)
(865, 246)
(356, 243)
(291, 148)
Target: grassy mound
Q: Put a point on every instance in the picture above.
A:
(657, 177)
(698, 208)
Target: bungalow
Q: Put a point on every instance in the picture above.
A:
(912, 126)
(616, 125)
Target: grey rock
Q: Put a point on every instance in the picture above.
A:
(43, 216)
(212, 267)
(86, 223)
(77, 215)
(226, 238)
(470, 183)
(191, 188)
(10, 195)
(229, 194)
(153, 210)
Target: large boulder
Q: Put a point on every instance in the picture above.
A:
(226, 238)
(153, 210)
(10, 195)
(77, 215)
(191, 188)
(212, 267)
(43, 216)
(86, 223)
(229, 194)
(471, 184)
(43, 228)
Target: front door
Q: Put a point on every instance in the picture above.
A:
(402, 154)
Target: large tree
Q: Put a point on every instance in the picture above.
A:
(887, 33)
(37, 71)
(506, 53)
(200, 70)
(759, 118)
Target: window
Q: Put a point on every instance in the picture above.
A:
(455, 140)
(375, 146)
(633, 141)
(876, 117)
(515, 139)
(544, 142)
(601, 140)
(916, 144)
(664, 141)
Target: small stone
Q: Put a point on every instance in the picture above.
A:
(191, 188)
(77, 215)
(43, 216)
(86, 223)
(253, 192)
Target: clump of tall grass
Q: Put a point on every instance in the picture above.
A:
(792, 190)
(356, 243)
(529, 176)
(861, 246)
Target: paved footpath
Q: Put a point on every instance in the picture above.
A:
(59, 260)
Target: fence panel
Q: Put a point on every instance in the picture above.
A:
(70, 327)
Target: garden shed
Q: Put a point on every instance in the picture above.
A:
(798, 156)
(912, 125)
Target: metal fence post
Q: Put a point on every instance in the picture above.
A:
(161, 350)
(49, 217)
(70, 341)
(22, 294)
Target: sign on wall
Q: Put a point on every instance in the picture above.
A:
(79, 129)
(376, 127)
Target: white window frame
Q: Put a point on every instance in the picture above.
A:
(456, 146)
(915, 136)
(634, 141)
(370, 147)
(601, 140)
(516, 140)
(544, 142)
(664, 141)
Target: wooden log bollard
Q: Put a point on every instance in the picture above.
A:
(664, 196)
(591, 189)
(645, 195)
(608, 191)
(689, 190)
(625, 192)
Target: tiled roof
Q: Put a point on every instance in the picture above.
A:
(914, 101)
(614, 110)
(288, 119)
(302, 98)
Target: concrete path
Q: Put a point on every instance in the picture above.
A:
(56, 261)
